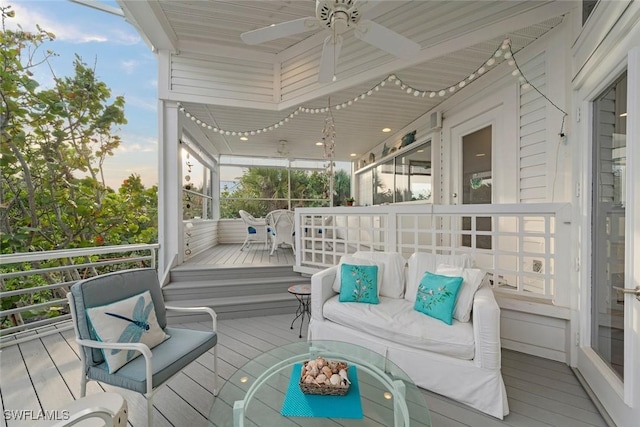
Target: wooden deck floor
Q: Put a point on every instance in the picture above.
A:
(230, 254)
(44, 373)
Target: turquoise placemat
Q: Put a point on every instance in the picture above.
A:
(298, 404)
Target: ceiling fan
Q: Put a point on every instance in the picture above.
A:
(337, 17)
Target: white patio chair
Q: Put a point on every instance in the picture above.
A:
(256, 230)
(280, 226)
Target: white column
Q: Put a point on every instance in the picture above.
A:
(169, 189)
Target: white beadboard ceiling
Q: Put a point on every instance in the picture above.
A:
(456, 38)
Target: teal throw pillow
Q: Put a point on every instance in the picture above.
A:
(437, 296)
(359, 283)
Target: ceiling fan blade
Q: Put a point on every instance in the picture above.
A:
(329, 59)
(387, 40)
(281, 30)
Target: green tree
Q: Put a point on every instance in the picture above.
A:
(54, 142)
(261, 190)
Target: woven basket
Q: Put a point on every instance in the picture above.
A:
(322, 389)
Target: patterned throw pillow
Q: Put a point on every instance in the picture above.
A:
(359, 283)
(437, 296)
(130, 320)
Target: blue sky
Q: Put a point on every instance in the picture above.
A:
(122, 60)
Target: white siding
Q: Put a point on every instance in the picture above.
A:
(201, 236)
(219, 77)
(533, 132)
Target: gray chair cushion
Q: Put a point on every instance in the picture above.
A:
(184, 346)
(111, 287)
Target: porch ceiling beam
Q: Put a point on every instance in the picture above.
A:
(153, 25)
(496, 29)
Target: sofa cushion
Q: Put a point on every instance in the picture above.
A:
(419, 262)
(437, 296)
(393, 282)
(349, 259)
(359, 283)
(472, 279)
(395, 320)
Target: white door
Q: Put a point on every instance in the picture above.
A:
(609, 355)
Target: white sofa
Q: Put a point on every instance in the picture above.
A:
(460, 361)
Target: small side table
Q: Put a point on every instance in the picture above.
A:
(303, 295)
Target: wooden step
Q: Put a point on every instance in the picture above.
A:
(228, 288)
(235, 306)
(198, 273)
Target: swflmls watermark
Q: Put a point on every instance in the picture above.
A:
(33, 415)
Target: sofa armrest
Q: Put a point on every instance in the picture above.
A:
(321, 290)
(486, 329)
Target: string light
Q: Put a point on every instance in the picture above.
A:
(501, 54)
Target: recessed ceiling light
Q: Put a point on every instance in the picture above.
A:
(353, 154)
(319, 143)
(244, 138)
(386, 130)
(480, 155)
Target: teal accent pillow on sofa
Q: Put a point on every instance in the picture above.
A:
(437, 296)
(359, 283)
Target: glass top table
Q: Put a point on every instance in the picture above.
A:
(254, 394)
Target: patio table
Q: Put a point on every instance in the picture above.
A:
(254, 394)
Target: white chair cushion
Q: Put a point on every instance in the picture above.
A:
(131, 320)
(419, 262)
(392, 284)
(348, 259)
(472, 279)
(395, 320)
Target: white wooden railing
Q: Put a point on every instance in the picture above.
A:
(524, 247)
(38, 281)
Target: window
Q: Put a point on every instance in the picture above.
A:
(403, 178)
(608, 223)
(196, 186)
(260, 185)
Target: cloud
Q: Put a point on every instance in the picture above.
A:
(150, 104)
(136, 143)
(129, 66)
(72, 32)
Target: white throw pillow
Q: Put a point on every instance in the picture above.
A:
(419, 262)
(393, 281)
(472, 279)
(348, 259)
(130, 320)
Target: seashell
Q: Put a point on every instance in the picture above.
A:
(314, 371)
(308, 379)
(327, 371)
(320, 362)
(343, 375)
(311, 364)
(320, 379)
(335, 379)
